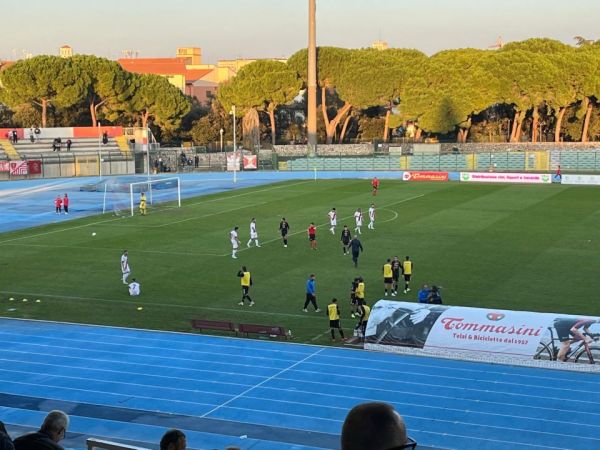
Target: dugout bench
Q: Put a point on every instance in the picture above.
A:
(244, 328)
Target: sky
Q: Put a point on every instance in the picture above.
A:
(227, 29)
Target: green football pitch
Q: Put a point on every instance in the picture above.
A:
(499, 246)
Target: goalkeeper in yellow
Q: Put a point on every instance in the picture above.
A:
(143, 204)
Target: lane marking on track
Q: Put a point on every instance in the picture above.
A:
(266, 380)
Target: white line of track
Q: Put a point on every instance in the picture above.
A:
(376, 381)
(304, 383)
(263, 382)
(392, 361)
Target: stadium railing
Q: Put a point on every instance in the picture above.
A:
(93, 443)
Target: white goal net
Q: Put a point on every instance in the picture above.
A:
(122, 197)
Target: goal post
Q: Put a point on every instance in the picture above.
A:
(122, 197)
(160, 190)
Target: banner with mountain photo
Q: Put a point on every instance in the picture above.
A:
(519, 334)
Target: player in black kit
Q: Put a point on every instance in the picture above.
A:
(396, 268)
(284, 228)
(346, 237)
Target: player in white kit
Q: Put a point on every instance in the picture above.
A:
(235, 242)
(332, 220)
(358, 218)
(125, 266)
(371, 225)
(253, 233)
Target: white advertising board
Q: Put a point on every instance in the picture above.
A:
(581, 179)
(493, 177)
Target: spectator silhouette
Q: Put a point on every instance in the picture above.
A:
(5, 441)
(373, 426)
(173, 440)
(104, 137)
(53, 431)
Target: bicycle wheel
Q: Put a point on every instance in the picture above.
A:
(584, 358)
(544, 353)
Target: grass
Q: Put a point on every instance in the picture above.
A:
(500, 246)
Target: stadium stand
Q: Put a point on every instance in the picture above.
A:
(201, 324)
(9, 150)
(29, 150)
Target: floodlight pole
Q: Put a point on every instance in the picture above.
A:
(221, 131)
(312, 79)
(148, 152)
(99, 150)
(234, 146)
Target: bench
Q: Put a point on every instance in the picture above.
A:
(267, 330)
(201, 324)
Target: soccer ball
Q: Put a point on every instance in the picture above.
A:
(93, 234)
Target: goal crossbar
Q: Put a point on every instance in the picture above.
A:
(150, 195)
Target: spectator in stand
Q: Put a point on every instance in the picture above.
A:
(69, 143)
(15, 136)
(37, 132)
(31, 135)
(173, 440)
(196, 161)
(5, 442)
(374, 426)
(53, 431)
(104, 137)
(424, 294)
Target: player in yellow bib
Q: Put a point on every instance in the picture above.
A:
(246, 282)
(388, 277)
(333, 311)
(143, 204)
(365, 311)
(407, 268)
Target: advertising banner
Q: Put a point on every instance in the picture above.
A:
(424, 176)
(515, 334)
(233, 161)
(492, 177)
(18, 168)
(580, 179)
(250, 162)
(4, 166)
(34, 166)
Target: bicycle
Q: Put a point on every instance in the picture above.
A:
(583, 353)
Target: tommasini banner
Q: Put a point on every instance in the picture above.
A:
(520, 334)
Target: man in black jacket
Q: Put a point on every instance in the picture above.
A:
(5, 442)
(53, 431)
(356, 247)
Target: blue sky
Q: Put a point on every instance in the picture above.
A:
(275, 28)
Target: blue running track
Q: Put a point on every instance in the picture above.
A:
(29, 203)
(131, 385)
